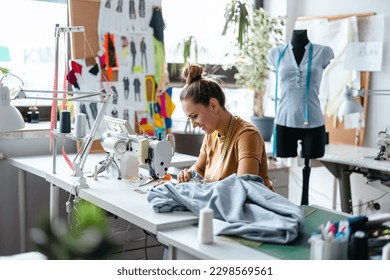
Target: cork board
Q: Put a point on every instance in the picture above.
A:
(85, 13)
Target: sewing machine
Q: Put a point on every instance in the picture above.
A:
(127, 151)
(383, 142)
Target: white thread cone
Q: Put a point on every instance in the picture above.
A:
(205, 230)
(79, 125)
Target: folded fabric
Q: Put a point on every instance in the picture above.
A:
(246, 207)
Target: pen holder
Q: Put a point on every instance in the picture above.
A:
(328, 250)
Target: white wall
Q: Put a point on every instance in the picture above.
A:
(321, 180)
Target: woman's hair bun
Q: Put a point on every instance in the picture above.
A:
(192, 72)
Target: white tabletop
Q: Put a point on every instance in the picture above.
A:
(121, 198)
(185, 239)
(115, 196)
(355, 155)
(39, 165)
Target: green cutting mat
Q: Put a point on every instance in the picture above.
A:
(299, 249)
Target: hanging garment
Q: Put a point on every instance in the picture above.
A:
(293, 84)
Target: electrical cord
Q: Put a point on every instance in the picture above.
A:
(372, 201)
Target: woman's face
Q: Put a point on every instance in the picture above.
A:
(200, 115)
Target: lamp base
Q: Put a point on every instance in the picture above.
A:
(82, 183)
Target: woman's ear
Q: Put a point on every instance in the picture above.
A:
(213, 104)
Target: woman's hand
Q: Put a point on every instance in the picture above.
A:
(185, 175)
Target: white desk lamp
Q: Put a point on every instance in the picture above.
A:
(10, 117)
(350, 106)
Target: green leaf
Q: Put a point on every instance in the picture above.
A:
(4, 70)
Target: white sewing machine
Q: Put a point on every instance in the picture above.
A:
(383, 142)
(127, 151)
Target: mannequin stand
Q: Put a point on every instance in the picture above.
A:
(305, 182)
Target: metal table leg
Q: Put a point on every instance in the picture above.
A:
(22, 209)
(342, 173)
(54, 203)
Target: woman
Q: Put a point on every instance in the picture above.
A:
(231, 144)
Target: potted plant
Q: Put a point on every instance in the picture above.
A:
(262, 33)
(86, 237)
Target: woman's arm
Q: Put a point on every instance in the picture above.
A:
(251, 166)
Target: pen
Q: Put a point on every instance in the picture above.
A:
(323, 232)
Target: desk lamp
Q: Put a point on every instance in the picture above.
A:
(351, 106)
(10, 117)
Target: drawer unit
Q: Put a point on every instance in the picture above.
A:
(278, 174)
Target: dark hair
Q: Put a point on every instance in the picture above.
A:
(199, 89)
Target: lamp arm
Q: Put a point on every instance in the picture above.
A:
(365, 91)
(64, 99)
(378, 92)
(10, 74)
(58, 91)
(83, 152)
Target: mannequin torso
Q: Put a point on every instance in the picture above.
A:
(299, 118)
(299, 40)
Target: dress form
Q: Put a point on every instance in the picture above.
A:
(299, 40)
(299, 119)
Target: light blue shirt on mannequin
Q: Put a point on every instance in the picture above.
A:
(292, 85)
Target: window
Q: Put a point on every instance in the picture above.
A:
(203, 19)
(28, 32)
(239, 102)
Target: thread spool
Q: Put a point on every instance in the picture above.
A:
(33, 115)
(386, 252)
(80, 125)
(65, 126)
(205, 230)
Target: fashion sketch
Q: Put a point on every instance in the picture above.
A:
(133, 51)
(126, 87)
(137, 89)
(114, 95)
(126, 114)
(119, 7)
(143, 54)
(132, 14)
(124, 49)
(114, 113)
(142, 15)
